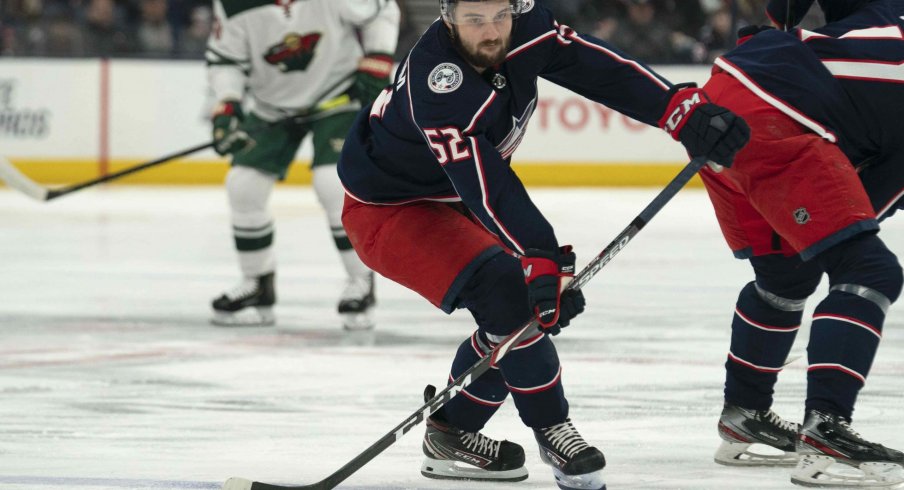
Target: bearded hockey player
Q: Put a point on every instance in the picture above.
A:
(434, 205)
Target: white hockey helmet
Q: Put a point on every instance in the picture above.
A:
(447, 8)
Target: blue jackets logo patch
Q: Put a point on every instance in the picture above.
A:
(445, 78)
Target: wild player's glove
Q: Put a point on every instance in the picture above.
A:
(227, 137)
(546, 275)
(705, 129)
(373, 75)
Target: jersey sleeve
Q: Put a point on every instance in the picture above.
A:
(600, 72)
(496, 196)
(380, 34)
(593, 68)
(228, 60)
(453, 125)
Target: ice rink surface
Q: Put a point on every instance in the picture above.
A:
(112, 378)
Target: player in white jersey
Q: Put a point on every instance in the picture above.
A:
(321, 60)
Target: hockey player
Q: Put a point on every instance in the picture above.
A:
(268, 61)
(822, 105)
(433, 205)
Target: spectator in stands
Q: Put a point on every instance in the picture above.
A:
(717, 35)
(155, 34)
(62, 37)
(683, 16)
(105, 32)
(193, 41)
(409, 33)
(644, 35)
(567, 11)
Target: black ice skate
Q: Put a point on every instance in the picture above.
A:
(248, 304)
(575, 464)
(357, 301)
(833, 455)
(744, 432)
(454, 454)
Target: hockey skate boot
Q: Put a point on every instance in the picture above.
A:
(248, 304)
(357, 301)
(742, 430)
(575, 464)
(454, 454)
(833, 455)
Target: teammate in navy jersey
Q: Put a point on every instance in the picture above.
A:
(433, 205)
(824, 165)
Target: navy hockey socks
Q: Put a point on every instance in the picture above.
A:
(766, 320)
(531, 372)
(865, 279)
(471, 408)
(496, 295)
(761, 338)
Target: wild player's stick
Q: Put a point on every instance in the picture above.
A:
(495, 356)
(17, 180)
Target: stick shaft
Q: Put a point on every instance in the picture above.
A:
(55, 193)
(526, 331)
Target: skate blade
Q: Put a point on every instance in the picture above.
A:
(444, 469)
(260, 316)
(357, 321)
(587, 481)
(748, 454)
(816, 470)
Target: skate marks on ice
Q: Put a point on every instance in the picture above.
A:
(111, 378)
(112, 483)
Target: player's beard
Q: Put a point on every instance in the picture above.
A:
(478, 58)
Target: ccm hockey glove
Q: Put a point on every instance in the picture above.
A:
(227, 137)
(373, 75)
(705, 129)
(547, 274)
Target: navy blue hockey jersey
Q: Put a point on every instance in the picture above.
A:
(845, 81)
(445, 132)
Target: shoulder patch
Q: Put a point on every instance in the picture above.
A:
(445, 78)
(527, 6)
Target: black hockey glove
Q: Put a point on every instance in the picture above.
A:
(373, 75)
(227, 137)
(705, 129)
(546, 275)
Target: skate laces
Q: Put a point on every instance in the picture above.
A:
(847, 428)
(356, 288)
(475, 441)
(565, 438)
(782, 424)
(246, 288)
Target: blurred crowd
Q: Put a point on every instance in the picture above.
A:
(666, 31)
(656, 31)
(106, 28)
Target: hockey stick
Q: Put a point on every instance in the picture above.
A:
(789, 14)
(495, 355)
(17, 180)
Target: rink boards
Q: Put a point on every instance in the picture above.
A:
(67, 121)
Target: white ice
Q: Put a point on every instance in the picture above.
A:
(111, 377)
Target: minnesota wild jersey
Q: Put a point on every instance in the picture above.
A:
(290, 55)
